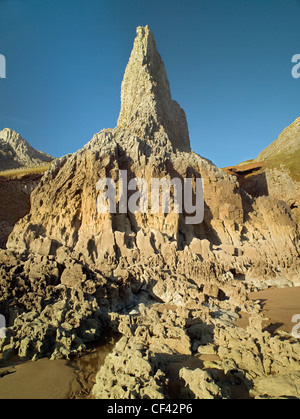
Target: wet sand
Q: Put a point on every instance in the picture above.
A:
(279, 306)
(59, 379)
(42, 379)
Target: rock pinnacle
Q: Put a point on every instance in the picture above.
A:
(146, 100)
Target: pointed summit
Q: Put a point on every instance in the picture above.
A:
(146, 101)
(15, 152)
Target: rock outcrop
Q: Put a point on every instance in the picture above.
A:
(15, 201)
(15, 152)
(194, 350)
(288, 143)
(151, 141)
(147, 108)
(171, 289)
(275, 172)
(281, 161)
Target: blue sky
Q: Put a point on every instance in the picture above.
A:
(228, 63)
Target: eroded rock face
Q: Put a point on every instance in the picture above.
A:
(54, 308)
(170, 288)
(15, 152)
(128, 373)
(14, 202)
(213, 358)
(147, 108)
(149, 142)
(275, 172)
(280, 177)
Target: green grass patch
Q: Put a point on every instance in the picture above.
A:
(289, 161)
(22, 171)
(246, 162)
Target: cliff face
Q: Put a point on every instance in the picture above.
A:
(15, 152)
(151, 141)
(275, 172)
(78, 269)
(15, 201)
(288, 143)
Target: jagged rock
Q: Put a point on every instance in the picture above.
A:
(15, 152)
(173, 290)
(45, 316)
(73, 276)
(147, 108)
(144, 244)
(237, 234)
(199, 384)
(275, 172)
(128, 373)
(277, 387)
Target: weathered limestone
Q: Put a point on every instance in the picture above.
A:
(15, 152)
(200, 385)
(238, 233)
(172, 290)
(128, 373)
(147, 108)
(157, 337)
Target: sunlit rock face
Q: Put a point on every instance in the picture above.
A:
(16, 152)
(146, 103)
(250, 236)
(172, 289)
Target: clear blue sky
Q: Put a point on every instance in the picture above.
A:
(228, 63)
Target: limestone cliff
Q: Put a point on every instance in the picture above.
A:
(147, 108)
(16, 152)
(151, 141)
(170, 288)
(275, 172)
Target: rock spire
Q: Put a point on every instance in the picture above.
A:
(146, 98)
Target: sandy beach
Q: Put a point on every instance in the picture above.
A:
(42, 379)
(58, 379)
(279, 306)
